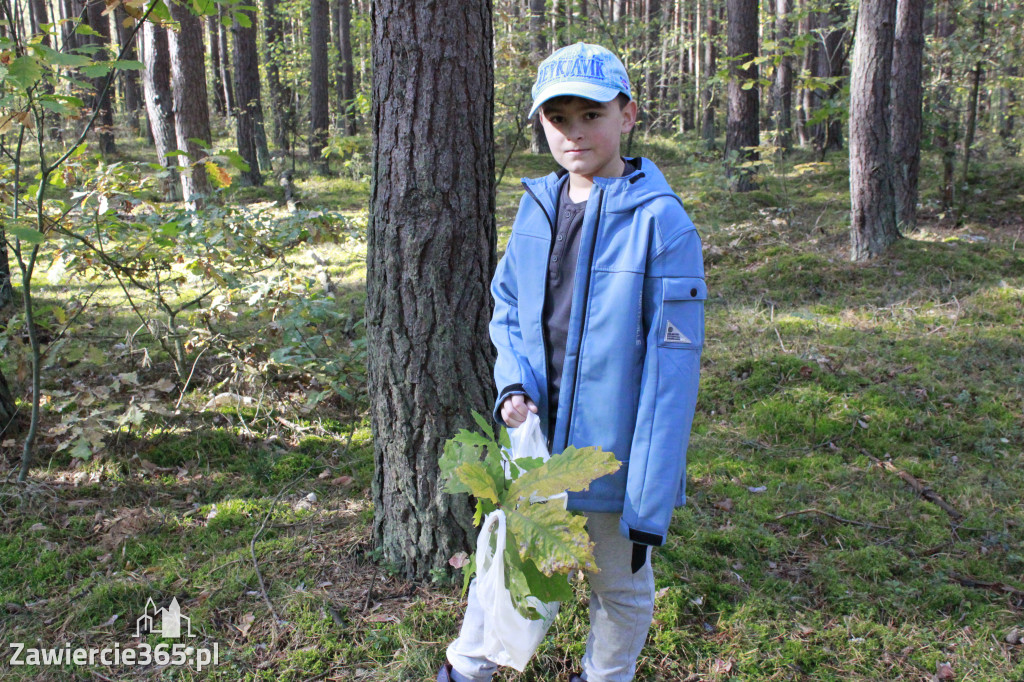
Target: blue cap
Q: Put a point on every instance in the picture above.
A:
(583, 70)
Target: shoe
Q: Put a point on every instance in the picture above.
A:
(573, 677)
(445, 673)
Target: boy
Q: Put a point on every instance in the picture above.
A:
(599, 324)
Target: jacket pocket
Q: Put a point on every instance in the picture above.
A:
(682, 312)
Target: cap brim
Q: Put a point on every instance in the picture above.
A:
(598, 93)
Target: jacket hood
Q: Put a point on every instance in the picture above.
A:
(621, 194)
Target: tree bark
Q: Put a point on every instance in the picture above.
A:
(345, 73)
(6, 290)
(907, 93)
(782, 91)
(133, 101)
(225, 81)
(832, 65)
(972, 105)
(743, 123)
(872, 194)
(247, 93)
(8, 410)
(319, 114)
(156, 87)
(707, 100)
(430, 256)
(191, 113)
(104, 127)
(213, 28)
(539, 45)
(281, 96)
(946, 112)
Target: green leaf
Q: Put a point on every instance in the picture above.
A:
(572, 469)
(471, 438)
(484, 424)
(82, 449)
(56, 58)
(480, 483)
(96, 70)
(455, 454)
(236, 160)
(27, 234)
(555, 540)
(86, 30)
(128, 65)
(24, 72)
(243, 20)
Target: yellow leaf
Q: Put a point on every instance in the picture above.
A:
(218, 175)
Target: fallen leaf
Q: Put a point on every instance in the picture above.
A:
(342, 481)
(725, 505)
(382, 618)
(944, 671)
(164, 385)
(326, 473)
(37, 527)
(661, 593)
(721, 667)
(111, 620)
(1014, 636)
(244, 623)
(459, 560)
(758, 489)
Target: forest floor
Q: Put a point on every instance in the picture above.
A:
(856, 470)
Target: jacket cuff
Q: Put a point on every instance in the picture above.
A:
(642, 537)
(511, 389)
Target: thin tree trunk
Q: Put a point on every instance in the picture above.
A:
(972, 106)
(872, 194)
(345, 73)
(72, 10)
(947, 113)
(156, 87)
(707, 101)
(281, 96)
(1007, 121)
(539, 44)
(319, 114)
(908, 53)
(431, 252)
(225, 62)
(833, 65)
(133, 100)
(250, 106)
(213, 28)
(782, 92)
(191, 113)
(100, 23)
(807, 97)
(743, 123)
(6, 290)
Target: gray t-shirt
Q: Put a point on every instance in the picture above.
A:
(565, 251)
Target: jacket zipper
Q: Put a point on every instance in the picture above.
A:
(586, 310)
(543, 302)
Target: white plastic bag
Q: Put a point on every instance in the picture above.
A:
(527, 441)
(509, 638)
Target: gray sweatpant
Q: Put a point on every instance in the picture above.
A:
(621, 610)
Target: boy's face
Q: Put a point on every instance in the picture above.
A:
(584, 135)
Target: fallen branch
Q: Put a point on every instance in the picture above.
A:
(921, 489)
(832, 516)
(968, 581)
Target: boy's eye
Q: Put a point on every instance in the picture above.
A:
(591, 115)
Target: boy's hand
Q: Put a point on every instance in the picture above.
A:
(516, 408)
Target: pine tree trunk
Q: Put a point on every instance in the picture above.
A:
(102, 99)
(832, 65)
(972, 106)
(8, 410)
(226, 82)
(156, 87)
(782, 91)
(1007, 121)
(345, 73)
(707, 102)
(319, 114)
(872, 194)
(808, 97)
(191, 112)
(281, 97)
(133, 101)
(743, 123)
(907, 93)
(247, 93)
(947, 114)
(539, 49)
(72, 10)
(213, 29)
(431, 253)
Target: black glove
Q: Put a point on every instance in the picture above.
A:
(639, 556)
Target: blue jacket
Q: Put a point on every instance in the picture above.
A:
(632, 357)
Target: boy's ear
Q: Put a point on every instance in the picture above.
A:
(629, 116)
